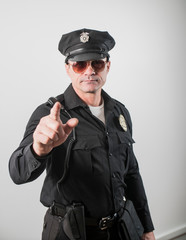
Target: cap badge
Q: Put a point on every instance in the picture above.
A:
(122, 122)
(84, 37)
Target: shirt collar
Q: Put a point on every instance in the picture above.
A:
(72, 100)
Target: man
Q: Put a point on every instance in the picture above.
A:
(83, 138)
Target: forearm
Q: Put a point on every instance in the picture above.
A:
(136, 192)
(24, 166)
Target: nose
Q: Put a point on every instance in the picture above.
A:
(89, 70)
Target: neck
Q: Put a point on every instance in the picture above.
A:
(91, 99)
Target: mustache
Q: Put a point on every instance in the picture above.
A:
(89, 78)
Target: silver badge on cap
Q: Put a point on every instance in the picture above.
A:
(84, 37)
(122, 122)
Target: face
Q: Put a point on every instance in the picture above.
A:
(89, 81)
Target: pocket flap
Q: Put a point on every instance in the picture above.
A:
(125, 137)
(87, 142)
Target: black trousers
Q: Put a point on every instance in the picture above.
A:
(53, 230)
(94, 233)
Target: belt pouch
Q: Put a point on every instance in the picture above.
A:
(74, 222)
(130, 227)
(51, 226)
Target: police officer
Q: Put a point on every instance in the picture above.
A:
(83, 138)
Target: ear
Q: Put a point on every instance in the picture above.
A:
(67, 67)
(108, 65)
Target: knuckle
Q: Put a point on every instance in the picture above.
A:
(53, 135)
(35, 134)
(45, 140)
(57, 126)
(42, 122)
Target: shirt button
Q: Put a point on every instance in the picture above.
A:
(113, 175)
(110, 154)
(34, 164)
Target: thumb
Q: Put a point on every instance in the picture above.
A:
(55, 111)
(70, 124)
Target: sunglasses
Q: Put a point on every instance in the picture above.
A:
(81, 66)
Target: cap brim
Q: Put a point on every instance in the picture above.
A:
(87, 57)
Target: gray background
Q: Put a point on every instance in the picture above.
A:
(147, 74)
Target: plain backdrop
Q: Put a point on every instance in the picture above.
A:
(148, 69)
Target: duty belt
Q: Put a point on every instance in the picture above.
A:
(58, 209)
(103, 223)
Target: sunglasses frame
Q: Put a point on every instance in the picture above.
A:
(87, 64)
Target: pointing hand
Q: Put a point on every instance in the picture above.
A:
(51, 132)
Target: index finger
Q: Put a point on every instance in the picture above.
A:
(55, 111)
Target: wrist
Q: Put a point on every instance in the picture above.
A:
(38, 152)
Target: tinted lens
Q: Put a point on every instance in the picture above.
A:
(98, 65)
(79, 67)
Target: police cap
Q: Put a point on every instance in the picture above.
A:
(86, 44)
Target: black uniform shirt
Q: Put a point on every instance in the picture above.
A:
(102, 168)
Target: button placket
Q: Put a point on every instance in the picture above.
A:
(110, 160)
(34, 164)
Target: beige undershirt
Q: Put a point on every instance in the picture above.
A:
(98, 111)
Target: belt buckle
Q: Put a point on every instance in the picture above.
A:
(107, 222)
(103, 223)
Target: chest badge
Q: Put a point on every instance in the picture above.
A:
(122, 122)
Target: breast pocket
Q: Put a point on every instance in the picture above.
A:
(125, 143)
(88, 153)
(125, 138)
